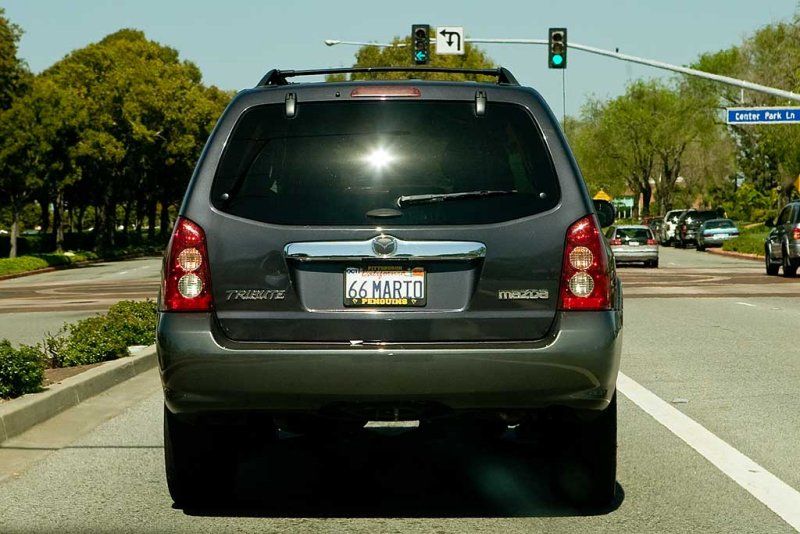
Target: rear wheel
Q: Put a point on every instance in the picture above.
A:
(789, 267)
(201, 459)
(587, 473)
(772, 268)
(700, 248)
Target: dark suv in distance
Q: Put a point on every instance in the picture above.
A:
(362, 251)
(782, 246)
(688, 225)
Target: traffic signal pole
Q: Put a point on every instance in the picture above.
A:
(657, 64)
(743, 84)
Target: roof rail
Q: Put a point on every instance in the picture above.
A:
(279, 77)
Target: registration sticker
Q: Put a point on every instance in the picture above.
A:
(384, 285)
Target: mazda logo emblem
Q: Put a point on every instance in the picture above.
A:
(384, 245)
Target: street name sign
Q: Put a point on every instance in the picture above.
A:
(450, 40)
(765, 115)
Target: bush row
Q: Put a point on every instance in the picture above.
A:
(92, 340)
(750, 241)
(24, 264)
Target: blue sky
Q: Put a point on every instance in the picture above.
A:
(235, 41)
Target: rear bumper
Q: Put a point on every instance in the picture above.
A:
(649, 254)
(203, 372)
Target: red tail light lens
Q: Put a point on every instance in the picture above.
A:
(652, 242)
(186, 282)
(616, 241)
(585, 277)
(796, 233)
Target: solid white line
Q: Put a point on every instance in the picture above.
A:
(760, 483)
(747, 304)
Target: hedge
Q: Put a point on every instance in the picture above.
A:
(92, 340)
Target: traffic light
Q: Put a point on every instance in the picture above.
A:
(557, 48)
(420, 43)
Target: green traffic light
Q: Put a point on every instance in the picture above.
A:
(558, 59)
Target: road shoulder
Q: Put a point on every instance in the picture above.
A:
(20, 414)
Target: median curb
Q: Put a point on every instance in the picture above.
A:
(22, 413)
(731, 254)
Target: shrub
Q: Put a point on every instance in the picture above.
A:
(136, 321)
(21, 370)
(91, 340)
(103, 337)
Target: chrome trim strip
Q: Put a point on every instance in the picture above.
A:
(406, 250)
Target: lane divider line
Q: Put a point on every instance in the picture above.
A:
(747, 304)
(760, 483)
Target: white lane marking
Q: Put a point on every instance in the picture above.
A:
(747, 304)
(760, 483)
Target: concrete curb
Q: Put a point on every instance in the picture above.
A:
(730, 254)
(20, 414)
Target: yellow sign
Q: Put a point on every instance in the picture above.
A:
(797, 184)
(602, 195)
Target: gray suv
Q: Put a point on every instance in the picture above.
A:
(360, 251)
(782, 246)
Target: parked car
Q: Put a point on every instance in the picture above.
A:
(688, 226)
(655, 224)
(782, 246)
(714, 232)
(667, 234)
(387, 250)
(633, 244)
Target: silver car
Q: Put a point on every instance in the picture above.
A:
(714, 232)
(633, 243)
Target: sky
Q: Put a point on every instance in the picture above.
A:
(234, 42)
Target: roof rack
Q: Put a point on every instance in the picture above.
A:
(279, 77)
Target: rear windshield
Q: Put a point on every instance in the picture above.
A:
(719, 224)
(634, 233)
(348, 163)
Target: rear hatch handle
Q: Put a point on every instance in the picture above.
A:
(385, 247)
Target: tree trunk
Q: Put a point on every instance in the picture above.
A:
(647, 194)
(106, 224)
(151, 220)
(163, 232)
(14, 232)
(58, 222)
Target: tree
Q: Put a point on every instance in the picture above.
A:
(767, 156)
(642, 137)
(146, 117)
(14, 73)
(16, 182)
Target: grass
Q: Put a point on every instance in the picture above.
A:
(35, 262)
(750, 241)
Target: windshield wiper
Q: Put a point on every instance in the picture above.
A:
(408, 200)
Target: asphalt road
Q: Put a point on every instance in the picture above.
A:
(32, 306)
(713, 338)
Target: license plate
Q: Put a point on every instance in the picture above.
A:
(382, 285)
(633, 243)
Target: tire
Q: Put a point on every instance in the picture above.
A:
(699, 248)
(588, 475)
(655, 264)
(789, 267)
(772, 268)
(200, 461)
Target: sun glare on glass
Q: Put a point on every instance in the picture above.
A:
(379, 158)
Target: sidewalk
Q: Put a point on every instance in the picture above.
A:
(20, 414)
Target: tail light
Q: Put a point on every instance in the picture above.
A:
(585, 278)
(796, 233)
(616, 241)
(652, 242)
(186, 280)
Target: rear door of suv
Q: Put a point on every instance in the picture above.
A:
(407, 214)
